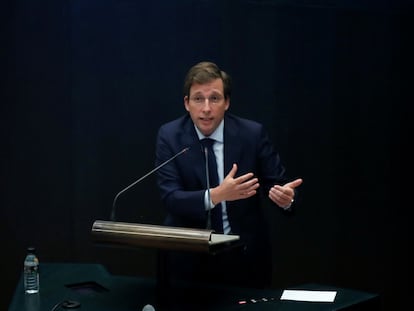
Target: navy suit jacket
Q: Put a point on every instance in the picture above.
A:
(182, 182)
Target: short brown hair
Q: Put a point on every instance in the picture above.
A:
(205, 72)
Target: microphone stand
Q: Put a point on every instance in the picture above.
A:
(141, 178)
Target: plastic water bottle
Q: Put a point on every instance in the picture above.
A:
(31, 272)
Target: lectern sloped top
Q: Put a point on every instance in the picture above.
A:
(160, 237)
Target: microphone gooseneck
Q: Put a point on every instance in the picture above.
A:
(142, 178)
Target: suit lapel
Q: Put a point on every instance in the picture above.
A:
(232, 148)
(195, 154)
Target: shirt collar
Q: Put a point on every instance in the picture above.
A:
(217, 135)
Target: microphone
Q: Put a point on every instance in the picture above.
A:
(148, 307)
(142, 178)
(208, 189)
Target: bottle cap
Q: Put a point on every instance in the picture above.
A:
(31, 249)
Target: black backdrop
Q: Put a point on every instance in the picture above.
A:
(86, 84)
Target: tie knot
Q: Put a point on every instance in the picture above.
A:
(207, 142)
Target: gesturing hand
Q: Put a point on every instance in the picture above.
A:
(284, 195)
(231, 188)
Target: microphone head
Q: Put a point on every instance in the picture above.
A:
(148, 308)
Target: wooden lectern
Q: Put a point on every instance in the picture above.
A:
(161, 237)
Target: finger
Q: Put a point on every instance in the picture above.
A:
(279, 189)
(294, 184)
(250, 184)
(249, 194)
(233, 171)
(243, 178)
(282, 192)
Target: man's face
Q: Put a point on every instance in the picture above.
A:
(207, 105)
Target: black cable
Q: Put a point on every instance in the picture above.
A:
(56, 306)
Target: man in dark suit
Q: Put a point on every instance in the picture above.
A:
(249, 170)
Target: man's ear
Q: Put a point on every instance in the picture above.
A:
(186, 103)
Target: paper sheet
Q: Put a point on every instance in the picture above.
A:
(309, 295)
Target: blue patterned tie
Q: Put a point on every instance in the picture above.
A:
(216, 212)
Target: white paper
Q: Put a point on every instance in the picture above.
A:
(308, 295)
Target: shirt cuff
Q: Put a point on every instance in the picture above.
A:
(208, 205)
